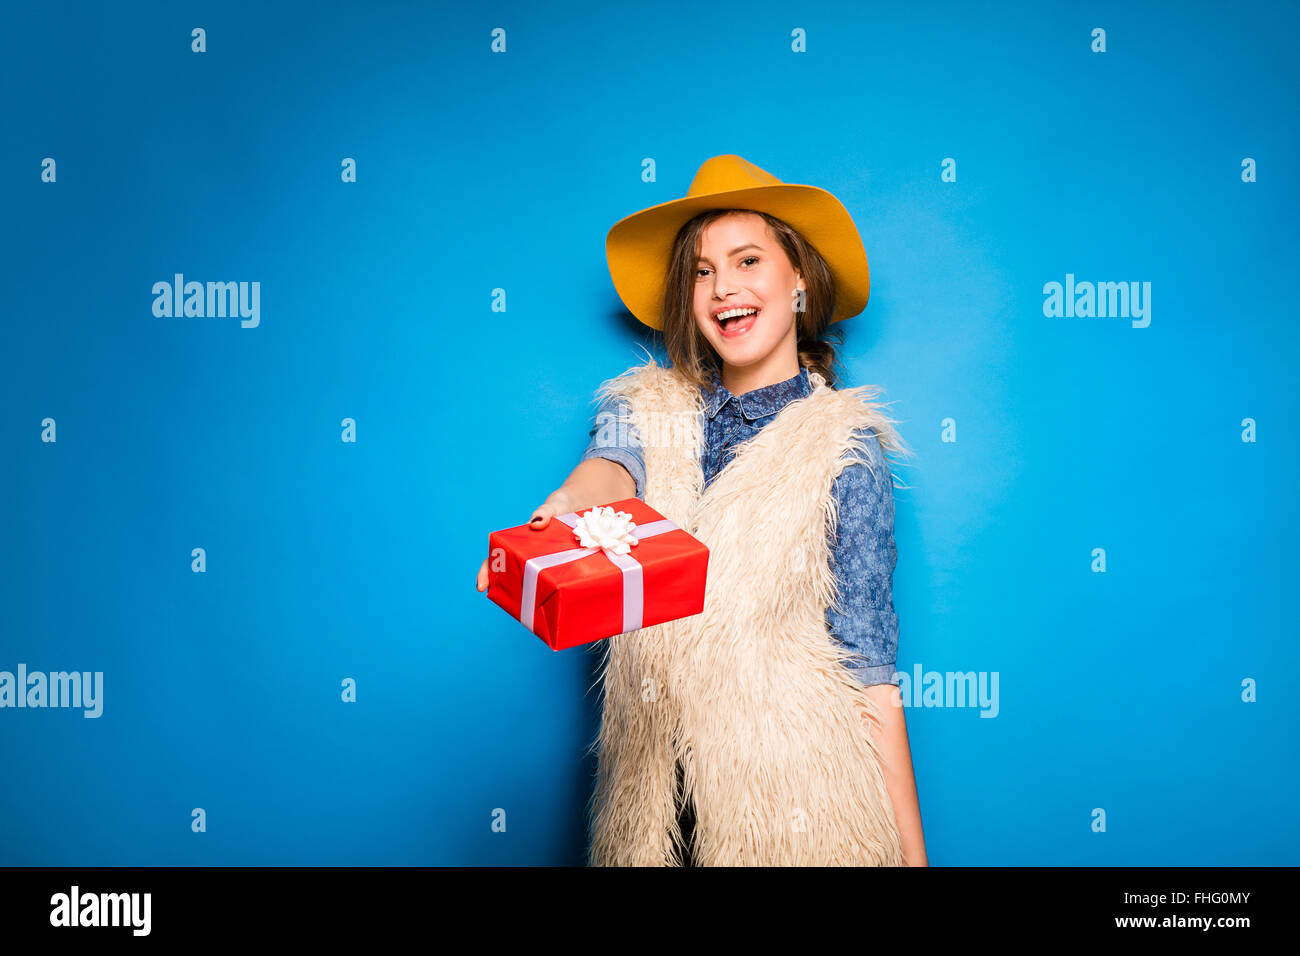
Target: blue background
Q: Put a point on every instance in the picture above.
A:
(479, 171)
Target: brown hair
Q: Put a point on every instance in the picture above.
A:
(690, 352)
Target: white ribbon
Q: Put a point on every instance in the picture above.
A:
(633, 584)
(603, 527)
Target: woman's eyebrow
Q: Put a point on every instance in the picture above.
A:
(748, 245)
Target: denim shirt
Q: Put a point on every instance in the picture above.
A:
(863, 556)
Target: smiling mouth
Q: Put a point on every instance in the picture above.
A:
(737, 325)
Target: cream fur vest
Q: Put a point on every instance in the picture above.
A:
(750, 695)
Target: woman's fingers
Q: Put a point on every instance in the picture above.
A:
(540, 519)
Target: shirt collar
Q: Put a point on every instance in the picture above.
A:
(760, 402)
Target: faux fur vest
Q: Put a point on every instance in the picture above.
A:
(751, 695)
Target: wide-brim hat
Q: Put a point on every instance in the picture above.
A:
(638, 246)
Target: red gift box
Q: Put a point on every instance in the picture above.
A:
(568, 595)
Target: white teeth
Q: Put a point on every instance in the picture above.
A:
(732, 313)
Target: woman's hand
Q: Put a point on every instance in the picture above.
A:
(595, 481)
(559, 503)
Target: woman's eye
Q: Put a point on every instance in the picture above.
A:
(700, 272)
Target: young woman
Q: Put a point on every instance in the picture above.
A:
(767, 730)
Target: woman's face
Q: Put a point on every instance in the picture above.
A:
(742, 266)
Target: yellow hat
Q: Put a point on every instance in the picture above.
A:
(638, 246)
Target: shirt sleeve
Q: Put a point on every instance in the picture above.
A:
(614, 437)
(863, 556)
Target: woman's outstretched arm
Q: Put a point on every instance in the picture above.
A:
(612, 468)
(596, 481)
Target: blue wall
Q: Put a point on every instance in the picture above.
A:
(327, 560)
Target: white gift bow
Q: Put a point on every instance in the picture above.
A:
(633, 585)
